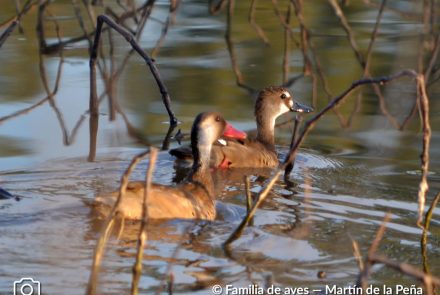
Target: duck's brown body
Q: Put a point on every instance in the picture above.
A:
(260, 152)
(186, 201)
(194, 198)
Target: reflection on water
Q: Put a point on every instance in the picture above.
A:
(346, 178)
(292, 239)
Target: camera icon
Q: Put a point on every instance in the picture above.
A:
(27, 286)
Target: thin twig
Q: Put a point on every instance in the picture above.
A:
(247, 186)
(357, 255)
(16, 20)
(238, 76)
(356, 109)
(17, 11)
(90, 12)
(404, 268)
(169, 22)
(112, 93)
(414, 109)
(340, 14)
(261, 197)
(81, 23)
(170, 284)
(365, 64)
(363, 275)
(167, 139)
(43, 75)
(366, 74)
(216, 9)
(293, 80)
(255, 26)
(284, 22)
(373, 37)
(297, 4)
(289, 168)
(424, 107)
(24, 111)
(407, 15)
(137, 268)
(108, 225)
(286, 46)
(424, 239)
(434, 56)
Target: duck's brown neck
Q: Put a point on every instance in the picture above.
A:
(265, 130)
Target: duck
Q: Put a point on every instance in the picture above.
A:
(259, 152)
(194, 197)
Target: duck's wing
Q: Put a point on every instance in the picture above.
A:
(134, 195)
(185, 201)
(244, 154)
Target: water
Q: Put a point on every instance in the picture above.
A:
(346, 178)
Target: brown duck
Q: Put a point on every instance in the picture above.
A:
(192, 199)
(260, 152)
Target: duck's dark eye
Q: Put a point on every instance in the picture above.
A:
(283, 96)
(218, 119)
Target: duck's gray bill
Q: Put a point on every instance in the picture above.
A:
(301, 108)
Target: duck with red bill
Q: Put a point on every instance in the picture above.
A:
(237, 150)
(232, 132)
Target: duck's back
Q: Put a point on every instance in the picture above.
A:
(236, 154)
(186, 201)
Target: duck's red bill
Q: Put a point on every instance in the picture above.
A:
(231, 132)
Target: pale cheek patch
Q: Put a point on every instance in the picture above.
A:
(284, 109)
(222, 142)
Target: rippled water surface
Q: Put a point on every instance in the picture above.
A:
(346, 178)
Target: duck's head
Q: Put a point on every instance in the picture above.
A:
(207, 128)
(274, 101)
